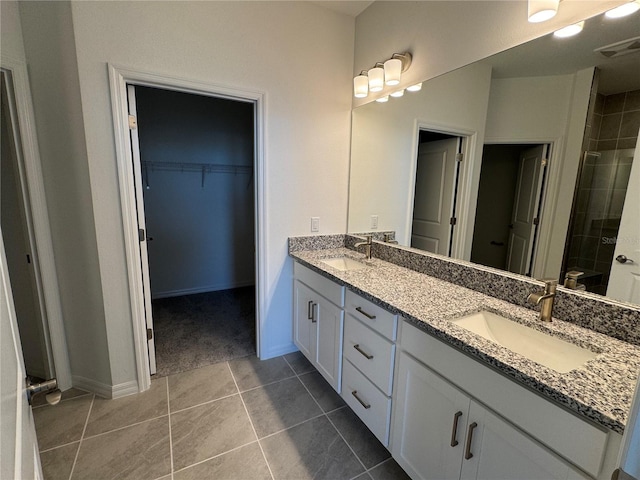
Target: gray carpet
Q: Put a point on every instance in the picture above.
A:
(193, 331)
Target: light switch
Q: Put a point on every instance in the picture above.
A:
(374, 222)
(315, 224)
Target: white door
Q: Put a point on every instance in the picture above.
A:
(624, 282)
(429, 423)
(19, 457)
(434, 195)
(303, 317)
(144, 258)
(525, 209)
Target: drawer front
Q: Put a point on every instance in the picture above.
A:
(372, 315)
(369, 403)
(370, 352)
(325, 287)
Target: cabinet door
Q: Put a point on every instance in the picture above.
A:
(429, 423)
(500, 451)
(328, 356)
(303, 328)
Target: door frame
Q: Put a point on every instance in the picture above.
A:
(38, 220)
(463, 203)
(549, 195)
(119, 77)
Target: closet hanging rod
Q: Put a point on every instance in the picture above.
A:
(197, 167)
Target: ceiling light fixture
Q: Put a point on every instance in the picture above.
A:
(383, 99)
(398, 94)
(542, 10)
(384, 73)
(569, 30)
(623, 10)
(415, 88)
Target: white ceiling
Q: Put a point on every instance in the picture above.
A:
(352, 8)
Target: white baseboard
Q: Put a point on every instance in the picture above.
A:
(204, 289)
(104, 390)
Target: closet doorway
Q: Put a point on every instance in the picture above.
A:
(194, 158)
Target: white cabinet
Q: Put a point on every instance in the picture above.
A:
(441, 433)
(318, 322)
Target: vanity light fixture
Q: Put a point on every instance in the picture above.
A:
(569, 30)
(361, 85)
(383, 73)
(542, 10)
(383, 99)
(397, 94)
(376, 78)
(623, 10)
(415, 88)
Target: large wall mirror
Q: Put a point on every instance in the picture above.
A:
(523, 161)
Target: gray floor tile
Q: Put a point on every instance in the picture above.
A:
(324, 393)
(251, 372)
(61, 424)
(199, 386)
(299, 363)
(139, 452)
(367, 447)
(41, 400)
(107, 415)
(57, 463)
(389, 470)
(310, 450)
(241, 464)
(363, 476)
(208, 430)
(279, 405)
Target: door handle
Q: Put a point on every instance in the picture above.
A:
(368, 315)
(365, 354)
(314, 319)
(454, 429)
(467, 449)
(53, 397)
(623, 259)
(310, 310)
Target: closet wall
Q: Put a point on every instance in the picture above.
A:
(197, 167)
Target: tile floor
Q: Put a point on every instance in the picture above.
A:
(243, 419)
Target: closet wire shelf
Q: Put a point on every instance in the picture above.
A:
(203, 168)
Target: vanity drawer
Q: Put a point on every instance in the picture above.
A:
(373, 407)
(371, 353)
(325, 287)
(372, 315)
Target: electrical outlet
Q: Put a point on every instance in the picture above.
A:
(374, 222)
(315, 224)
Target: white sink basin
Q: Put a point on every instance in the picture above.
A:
(344, 263)
(544, 349)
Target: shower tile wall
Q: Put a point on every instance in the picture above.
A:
(612, 136)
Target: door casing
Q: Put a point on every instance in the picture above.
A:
(119, 77)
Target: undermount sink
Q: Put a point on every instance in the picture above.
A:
(544, 349)
(344, 263)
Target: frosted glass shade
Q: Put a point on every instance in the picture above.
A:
(397, 94)
(360, 86)
(383, 99)
(623, 10)
(376, 79)
(415, 88)
(392, 71)
(569, 31)
(541, 10)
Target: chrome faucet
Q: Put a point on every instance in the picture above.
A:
(367, 246)
(545, 299)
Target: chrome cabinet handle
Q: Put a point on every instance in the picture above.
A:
(314, 318)
(362, 402)
(467, 448)
(310, 310)
(357, 347)
(623, 259)
(454, 430)
(370, 317)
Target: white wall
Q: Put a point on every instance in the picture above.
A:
(11, 41)
(202, 229)
(383, 151)
(444, 35)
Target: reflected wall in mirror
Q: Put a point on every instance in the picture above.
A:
(553, 94)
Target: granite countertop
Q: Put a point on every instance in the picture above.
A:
(602, 390)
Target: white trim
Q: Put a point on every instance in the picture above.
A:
(104, 389)
(549, 195)
(118, 78)
(469, 148)
(46, 274)
(204, 289)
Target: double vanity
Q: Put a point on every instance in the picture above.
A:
(455, 382)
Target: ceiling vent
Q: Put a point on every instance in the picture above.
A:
(620, 48)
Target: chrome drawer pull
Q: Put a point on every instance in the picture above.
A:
(357, 347)
(370, 317)
(467, 448)
(454, 430)
(362, 402)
